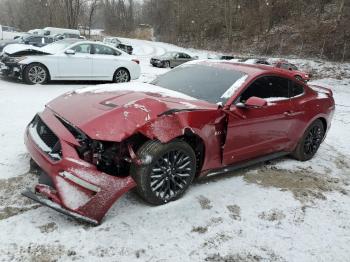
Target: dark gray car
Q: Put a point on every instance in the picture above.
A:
(34, 40)
(171, 59)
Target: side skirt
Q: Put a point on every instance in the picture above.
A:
(229, 169)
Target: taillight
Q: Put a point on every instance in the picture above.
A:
(136, 61)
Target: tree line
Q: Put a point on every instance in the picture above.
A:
(312, 28)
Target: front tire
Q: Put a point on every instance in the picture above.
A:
(310, 141)
(167, 171)
(166, 64)
(35, 73)
(122, 75)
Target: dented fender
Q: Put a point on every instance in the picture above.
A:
(208, 125)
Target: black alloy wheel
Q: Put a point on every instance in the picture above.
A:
(167, 172)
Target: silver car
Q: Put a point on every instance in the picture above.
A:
(171, 59)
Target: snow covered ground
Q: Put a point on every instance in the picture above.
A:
(279, 211)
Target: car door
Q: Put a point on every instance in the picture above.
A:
(105, 61)
(254, 132)
(77, 66)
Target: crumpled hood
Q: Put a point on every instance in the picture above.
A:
(114, 112)
(16, 48)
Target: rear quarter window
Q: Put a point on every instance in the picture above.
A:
(296, 90)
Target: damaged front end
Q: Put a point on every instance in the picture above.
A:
(81, 177)
(10, 63)
(10, 67)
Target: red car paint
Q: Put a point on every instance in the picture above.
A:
(285, 65)
(230, 134)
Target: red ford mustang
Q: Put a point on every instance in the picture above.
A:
(200, 119)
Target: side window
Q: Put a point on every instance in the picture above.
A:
(296, 90)
(82, 48)
(37, 40)
(182, 55)
(105, 50)
(285, 66)
(270, 88)
(48, 40)
(293, 67)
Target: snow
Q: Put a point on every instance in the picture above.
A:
(274, 99)
(236, 85)
(133, 87)
(72, 197)
(14, 48)
(282, 211)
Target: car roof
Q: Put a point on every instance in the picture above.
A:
(249, 69)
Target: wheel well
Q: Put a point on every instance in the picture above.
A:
(324, 123)
(197, 144)
(38, 63)
(127, 70)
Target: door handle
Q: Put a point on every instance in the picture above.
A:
(288, 113)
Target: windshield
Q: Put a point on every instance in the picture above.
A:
(58, 46)
(169, 54)
(206, 82)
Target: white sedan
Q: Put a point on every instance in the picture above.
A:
(70, 59)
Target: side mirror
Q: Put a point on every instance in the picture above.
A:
(70, 52)
(255, 102)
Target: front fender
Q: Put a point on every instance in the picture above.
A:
(209, 125)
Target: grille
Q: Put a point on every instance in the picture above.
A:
(48, 138)
(45, 133)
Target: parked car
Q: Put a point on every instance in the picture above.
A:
(171, 59)
(302, 76)
(58, 37)
(256, 61)
(115, 42)
(57, 30)
(9, 32)
(34, 40)
(220, 57)
(200, 119)
(70, 59)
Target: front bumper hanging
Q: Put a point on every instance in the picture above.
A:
(46, 202)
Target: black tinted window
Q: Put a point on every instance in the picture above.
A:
(82, 48)
(208, 83)
(296, 89)
(275, 88)
(184, 56)
(104, 50)
(285, 66)
(48, 40)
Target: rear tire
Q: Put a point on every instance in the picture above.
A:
(310, 141)
(167, 171)
(35, 74)
(122, 75)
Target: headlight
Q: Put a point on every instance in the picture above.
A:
(16, 59)
(19, 59)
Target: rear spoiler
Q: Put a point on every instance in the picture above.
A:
(322, 89)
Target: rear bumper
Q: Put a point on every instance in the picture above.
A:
(79, 189)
